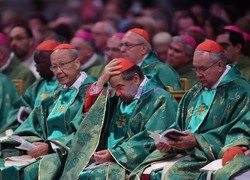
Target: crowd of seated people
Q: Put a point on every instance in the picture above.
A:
(95, 97)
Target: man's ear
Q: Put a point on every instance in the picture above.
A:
(238, 47)
(137, 79)
(221, 66)
(77, 62)
(144, 49)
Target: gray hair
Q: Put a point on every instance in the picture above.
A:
(189, 49)
(73, 52)
(143, 41)
(215, 56)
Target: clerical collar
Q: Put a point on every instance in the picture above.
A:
(144, 57)
(140, 88)
(78, 82)
(8, 62)
(29, 61)
(221, 77)
(90, 62)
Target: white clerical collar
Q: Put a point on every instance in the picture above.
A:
(221, 77)
(8, 62)
(90, 62)
(29, 61)
(140, 88)
(78, 82)
(144, 57)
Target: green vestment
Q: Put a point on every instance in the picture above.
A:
(125, 133)
(39, 126)
(37, 92)
(16, 70)
(239, 135)
(95, 70)
(244, 66)
(152, 67)
(229, 104)
(187, 72)
(8, 95)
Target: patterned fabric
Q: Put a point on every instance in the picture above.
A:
(37, 92)
(230, 105)
(154, 112)
(36, 128)
(239, 135)
(8, 95)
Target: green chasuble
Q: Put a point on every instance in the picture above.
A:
(16, 70)
(123, 129)
(166, 75)
(95, 70)
(187, 72)
(244, 66)
(55, 121)
(239, 135)
(8, 95)
(37, 92)
(209, 118)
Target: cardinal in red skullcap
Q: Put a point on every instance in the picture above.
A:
(130, 108)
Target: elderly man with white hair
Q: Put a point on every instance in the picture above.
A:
(136, 46)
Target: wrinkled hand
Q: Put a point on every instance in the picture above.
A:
(109, 70)
(103, 156)
(162, 147)
(246, 151)
(184, 142)
(40, 150)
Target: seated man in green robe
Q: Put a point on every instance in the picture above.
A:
(8, 95)
(38, 91)
(206, 113)
(52, 125)
(11, 66)
(119, 126)
(135, 45)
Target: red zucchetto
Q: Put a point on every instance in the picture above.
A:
(141, 32)
(47, 45)
(209, 46)
(230, 153)
(64, 46)
(125, 63)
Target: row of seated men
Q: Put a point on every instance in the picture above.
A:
(78, 121)
(17, 60)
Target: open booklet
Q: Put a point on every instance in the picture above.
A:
(212, 166)
(25, 145)
(166, 135)
(18, 160)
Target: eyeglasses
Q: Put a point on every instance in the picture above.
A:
(62, 65)
(129, 45)
(202, 70)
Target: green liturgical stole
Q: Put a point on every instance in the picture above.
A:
(46, 90)
(55, 120)
(120, 123)
(202, 107)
